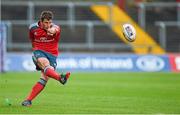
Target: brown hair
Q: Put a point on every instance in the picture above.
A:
(46, 15)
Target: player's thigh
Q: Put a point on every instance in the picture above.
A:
(52, 61)
(43, 62)
(40, 59)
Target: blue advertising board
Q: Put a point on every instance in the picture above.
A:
(95, 62)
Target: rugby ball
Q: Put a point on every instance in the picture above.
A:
(129, 32)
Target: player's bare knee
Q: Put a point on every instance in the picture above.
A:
(48, 67)
(42, 63)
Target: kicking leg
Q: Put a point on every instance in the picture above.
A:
(49, 71)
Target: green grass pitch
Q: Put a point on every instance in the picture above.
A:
(94, 93)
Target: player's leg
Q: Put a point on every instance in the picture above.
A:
(63, 77)
(37, 88)
(41, 61)
(47, 63)
(49, 71)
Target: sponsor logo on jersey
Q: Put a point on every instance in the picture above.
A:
(44, 39)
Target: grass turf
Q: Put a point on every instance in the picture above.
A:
(126, 93)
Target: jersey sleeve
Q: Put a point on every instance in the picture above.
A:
(32, 27)
(31, 36)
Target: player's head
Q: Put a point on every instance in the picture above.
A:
(46, 19)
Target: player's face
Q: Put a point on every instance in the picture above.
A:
(46, 23)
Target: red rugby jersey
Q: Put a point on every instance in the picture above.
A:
(41, 41)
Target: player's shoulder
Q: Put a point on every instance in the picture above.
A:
(33, 26)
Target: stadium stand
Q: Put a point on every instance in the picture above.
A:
(160, 11)
(75, 28)
(76, 35)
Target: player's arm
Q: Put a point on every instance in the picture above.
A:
(58, 32)
(54, 31)
(31, 36)
(32, 28)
